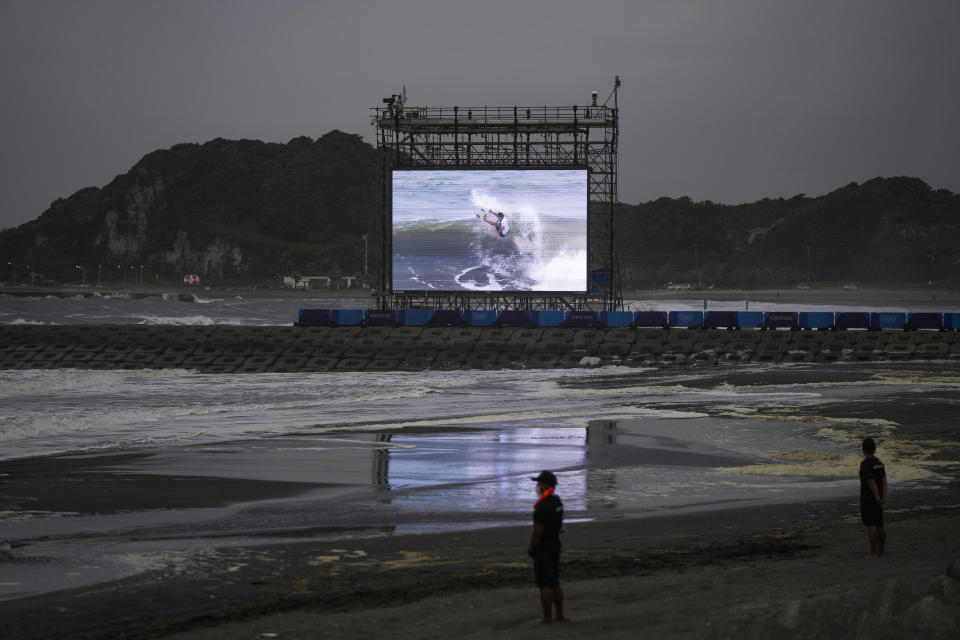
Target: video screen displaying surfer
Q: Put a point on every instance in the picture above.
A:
(490, 230)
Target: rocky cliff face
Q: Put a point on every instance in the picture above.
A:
(124, 230)
(218, 256)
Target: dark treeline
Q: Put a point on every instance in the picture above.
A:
(249, 211)
(230, 210)
(884, 231)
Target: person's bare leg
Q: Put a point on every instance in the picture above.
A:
(546, 603)
(558, 603)
(881, 541)
(874, 542)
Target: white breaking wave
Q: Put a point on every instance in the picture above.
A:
(196, 320)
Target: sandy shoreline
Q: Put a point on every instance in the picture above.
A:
(793, 570)
(788, 569)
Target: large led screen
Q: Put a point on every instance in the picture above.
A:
(490, 230)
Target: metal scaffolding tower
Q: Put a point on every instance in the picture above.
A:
(558, 137)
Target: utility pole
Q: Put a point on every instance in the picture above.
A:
(696, 264)
(808, 264)
(364, 258)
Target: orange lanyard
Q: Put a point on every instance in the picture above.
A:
(545, 495)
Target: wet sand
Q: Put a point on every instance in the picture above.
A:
(787, 571)
(781, 570)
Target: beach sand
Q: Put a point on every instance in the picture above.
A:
(778, 570)
(784, 571)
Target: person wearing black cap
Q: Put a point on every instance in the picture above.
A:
(873, 497)
(544, 546)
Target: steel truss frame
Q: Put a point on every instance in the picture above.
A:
(506, 137)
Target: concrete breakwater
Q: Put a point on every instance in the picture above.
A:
(244, 349)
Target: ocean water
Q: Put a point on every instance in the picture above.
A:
(387, 453)
(203, 307)
(188, 308)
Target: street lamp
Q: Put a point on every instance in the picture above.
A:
(83, 275)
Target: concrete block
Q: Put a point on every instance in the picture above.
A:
(137, 358)
(683, 337)
(218, 368)
(395, 342)
(571, 358)
(108, 358)
(250, 369)
(544, 360)
(353, 364)
(378, 332)
(421, 355)
(289, 361)
(933, 350)
(165, 360)
(306, 350)
(702, 357)
(558, 333)
(552, 345)
(767, 357)
(672, 358)
(481, 356)
(511, 357)
(407, 332)
(588, 336)
(645, 347)
(624, 336)
(526, 334)
(383, 364)
(452, 355)
(32, 346)
(741, 347)
(321, 363)
(613, 349)
(75, 357)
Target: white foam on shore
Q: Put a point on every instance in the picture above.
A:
(43, 381)
(194, 320)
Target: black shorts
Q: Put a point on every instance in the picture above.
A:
(546, 568)
(871, 515)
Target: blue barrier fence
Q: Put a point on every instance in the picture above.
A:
(758, 320)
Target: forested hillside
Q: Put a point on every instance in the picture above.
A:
(249, 211)
(228, 210)
(886, 230)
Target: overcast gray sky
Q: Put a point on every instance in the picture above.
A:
(723, 100)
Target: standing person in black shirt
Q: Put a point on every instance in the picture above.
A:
(544, 546)
(873, 497)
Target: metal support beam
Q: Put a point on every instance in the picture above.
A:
(492, 137)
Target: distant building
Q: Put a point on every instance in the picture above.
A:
(306, 282)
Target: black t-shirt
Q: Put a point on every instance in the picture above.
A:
(549, 513)
(871, 468)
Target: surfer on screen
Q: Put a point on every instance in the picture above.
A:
(500, 225)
